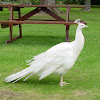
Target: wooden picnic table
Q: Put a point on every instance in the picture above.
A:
(21, 19)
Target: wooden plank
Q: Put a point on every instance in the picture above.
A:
(82, 6)
(38, 22)
(52, 14)
(46, 20)
(31, 13)
(8, 41)
(36, 19)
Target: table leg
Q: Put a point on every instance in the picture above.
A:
(67, 14)
(67, 38)
(10, 35)
(11, 26)
(20, 26)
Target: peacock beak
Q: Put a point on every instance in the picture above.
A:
(86, 26)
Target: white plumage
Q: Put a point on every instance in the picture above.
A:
(58, 59)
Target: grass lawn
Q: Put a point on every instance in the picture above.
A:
(84, 77)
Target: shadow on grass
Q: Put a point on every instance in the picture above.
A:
(52, 81)
(34, 81)
(35, 40)
(47, 81)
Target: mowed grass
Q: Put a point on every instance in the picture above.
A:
(84, 77)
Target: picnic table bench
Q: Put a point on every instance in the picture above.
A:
(21, 19)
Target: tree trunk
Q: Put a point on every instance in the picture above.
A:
(50, 2)
(87, 5)
(47, 2)
(42, 2)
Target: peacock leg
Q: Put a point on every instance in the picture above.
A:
(61, 81)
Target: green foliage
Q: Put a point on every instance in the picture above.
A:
(35, 2)
(70, 1)
(95, 2)
(81, 2)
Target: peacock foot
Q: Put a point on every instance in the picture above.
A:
(63, 83)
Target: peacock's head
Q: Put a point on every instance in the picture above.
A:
(80, 25)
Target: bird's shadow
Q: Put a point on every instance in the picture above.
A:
(47, 84)
(34, 81)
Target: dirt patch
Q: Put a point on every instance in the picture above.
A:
(79, 93)
(7, 93)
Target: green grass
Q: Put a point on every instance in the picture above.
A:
(84, 77)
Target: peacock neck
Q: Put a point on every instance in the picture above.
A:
(79, 40)
(79, 36)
